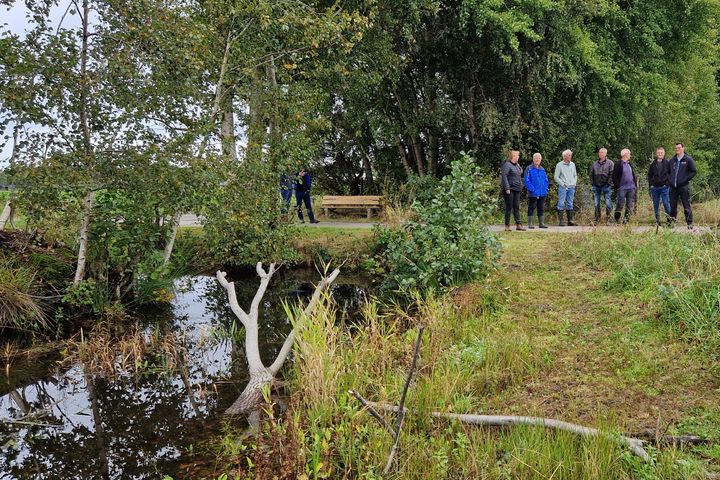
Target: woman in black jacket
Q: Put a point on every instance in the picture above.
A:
(511, 181)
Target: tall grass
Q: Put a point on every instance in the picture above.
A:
(466, 355)
(20, 307)
(679, 274)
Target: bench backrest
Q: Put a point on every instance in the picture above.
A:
(352, 200)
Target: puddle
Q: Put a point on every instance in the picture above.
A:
(64, 423)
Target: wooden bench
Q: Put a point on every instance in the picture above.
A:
(369, 202)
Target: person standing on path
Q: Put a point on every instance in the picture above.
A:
(566, 180)
(601, 179)
(625, 182)
(658, 180)
(303, 185)
(682, 170)
(511, 182)
(536, 182)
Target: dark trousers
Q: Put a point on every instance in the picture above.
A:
(301, 197)
(532, 203)
(683, 193)
(625, 198)
(512, 202)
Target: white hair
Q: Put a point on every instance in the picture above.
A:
(536, 155)
(603, 148)
(624, 151)
(567, 153)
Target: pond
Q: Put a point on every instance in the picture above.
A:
(59, 420)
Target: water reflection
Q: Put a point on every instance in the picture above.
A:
(65, 423)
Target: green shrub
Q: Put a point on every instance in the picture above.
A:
(448, 243)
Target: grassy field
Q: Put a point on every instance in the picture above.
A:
(554, 333)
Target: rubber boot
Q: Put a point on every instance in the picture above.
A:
(530, 222)
(541, 224)
(617, 217)
(607, 215)
(597, 215)
(561, 220)
(571, 214)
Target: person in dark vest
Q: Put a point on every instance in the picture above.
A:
(625, 182)
(511, 182)
(303, 185)
(658, 180)
(682, 170)
(601, 181)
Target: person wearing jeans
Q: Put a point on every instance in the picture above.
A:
(658, 179)
(682, 170)
(601, 179)
(625, 182)
(566, 179)
(303, 185)
(511, 182)
(536, 182)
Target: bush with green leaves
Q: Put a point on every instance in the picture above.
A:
(448, 243)
(243, 224)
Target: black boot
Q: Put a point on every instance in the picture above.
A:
(530, 222)
(597, 215)
(541, 224)
(571, 214)
(561, 220)
(617, 216)
(607, 215)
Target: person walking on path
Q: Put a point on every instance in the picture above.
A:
(566, 179)
(511, 182)
(536, 182)
(625, 182)
(303, 185)
(658, 180)
(682, 170)
(601, 180)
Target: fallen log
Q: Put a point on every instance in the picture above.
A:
(635, 445)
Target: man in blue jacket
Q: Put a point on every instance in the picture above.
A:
(536, 182)
(303, 185)
(682, 170)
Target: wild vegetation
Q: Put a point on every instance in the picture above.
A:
(542, 337)
(118, 117)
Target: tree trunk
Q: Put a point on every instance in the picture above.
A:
(403, 155)
(416, 145)
(84, 228)
(227, 128)
(171, 241)
(6, 214)
(432, 154)
(260, 375)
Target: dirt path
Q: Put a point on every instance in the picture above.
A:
(606, 358)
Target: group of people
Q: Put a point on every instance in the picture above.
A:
(301, 184)
(669, 181)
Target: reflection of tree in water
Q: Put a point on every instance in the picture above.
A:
(146, 422)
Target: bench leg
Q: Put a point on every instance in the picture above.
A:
(327, 212)
(369, 212)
